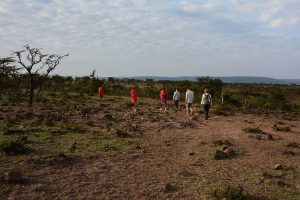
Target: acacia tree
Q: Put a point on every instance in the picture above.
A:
(37, 65)
(8, 71)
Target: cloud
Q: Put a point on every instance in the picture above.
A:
(126, 37)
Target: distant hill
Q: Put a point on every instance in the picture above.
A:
(225, 79)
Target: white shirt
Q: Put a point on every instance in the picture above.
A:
(208, 98)
(176, 96)
(189, 96)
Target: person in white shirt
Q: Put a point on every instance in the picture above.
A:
(206, 102)
(176, 97)
(189, 98)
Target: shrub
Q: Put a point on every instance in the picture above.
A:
(223, 109)
(282, 128)
(232, 99)
(253, 130)
(230, 193)
(12, 148)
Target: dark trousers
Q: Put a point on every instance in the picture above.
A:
(176, 103)
(206, 109)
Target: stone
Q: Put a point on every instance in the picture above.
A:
(229, 151)
(278, 167)
(22, 138)
(170, 188)
(269, 137)
(291, 153)
(108, 117)
(185, 173)
(293, 145)
(12, 177)
(258, 137)
(281, 183)
(219, 155)
(14, 132)
(222, 142)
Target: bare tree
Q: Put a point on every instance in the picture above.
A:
(37, 65)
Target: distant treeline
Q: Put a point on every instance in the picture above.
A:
(227, 97)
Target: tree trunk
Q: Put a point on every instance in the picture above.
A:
(31, 94)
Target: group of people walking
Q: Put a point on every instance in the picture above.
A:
(206, 100)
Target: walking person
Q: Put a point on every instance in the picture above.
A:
(163, 98)
(189, 98)
(133, 95)
(176, 97)
(206, 102)
(100, 92)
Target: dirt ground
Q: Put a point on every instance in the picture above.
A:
(163, 155)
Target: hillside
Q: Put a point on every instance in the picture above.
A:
(225, 79)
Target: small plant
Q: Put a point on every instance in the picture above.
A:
(223, 110)
(252, 130)
(230, 193)
(12, 148)
(282, 128)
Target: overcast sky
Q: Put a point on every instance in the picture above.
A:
(159, 37)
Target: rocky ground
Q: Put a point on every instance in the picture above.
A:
(85, 148)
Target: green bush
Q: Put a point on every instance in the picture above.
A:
(223, 109)
(230, 193)
(282, 128)
(232, 99)
(252, 130)
(12, 148)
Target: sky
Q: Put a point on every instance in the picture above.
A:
(158, 37)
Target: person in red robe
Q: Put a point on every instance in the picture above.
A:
(133, 95)
(100, 92)
(163, 99)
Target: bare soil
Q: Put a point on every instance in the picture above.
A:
(144, 153)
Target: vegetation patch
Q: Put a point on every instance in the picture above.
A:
(13, 148)
(230, 193)
(253, 130)
(282, 128)
(223, 110)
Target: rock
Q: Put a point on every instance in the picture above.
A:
(269, 137)
(222, 142)
(12, 177)
(138, 147)
(258, 137)
(14, 132)
(2, 116)
(281, 183)
(278, 167)
(293, 145)
(135, 156)
(22, 138)
(56, 132)
(12, 118)
(229, 151)
(219, 155)
(27, 115)
(170, 188)
(291, 153)
(185, 173)
(40, 187)
(73, 146)
(119, 133)
(108, 117)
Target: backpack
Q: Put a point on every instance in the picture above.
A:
(206, 99)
